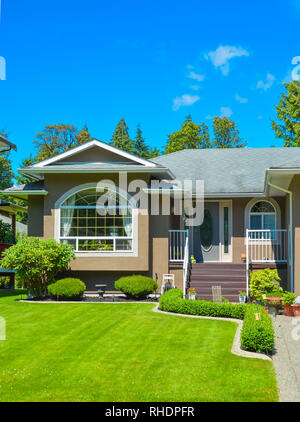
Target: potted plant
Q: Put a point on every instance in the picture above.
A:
(242, 297)
(193, 260)
(288, 300)
(192, 294)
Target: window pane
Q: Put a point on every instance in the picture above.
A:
(269, 222)
(226, 234)
(95, 245)
(123, 244)
(256, 222)
(263, 206)
(69, 242)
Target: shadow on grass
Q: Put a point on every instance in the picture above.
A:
(16, 292)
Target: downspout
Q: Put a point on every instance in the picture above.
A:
(291, 230)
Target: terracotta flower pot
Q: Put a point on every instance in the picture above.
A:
(288, 310)
(296, 310)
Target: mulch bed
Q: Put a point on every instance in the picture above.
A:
(96, 299)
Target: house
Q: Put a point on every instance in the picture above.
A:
(250, 217)
(6, 145)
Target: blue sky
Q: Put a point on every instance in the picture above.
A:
(151, 62)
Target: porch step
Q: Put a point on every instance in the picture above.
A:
(231, 277)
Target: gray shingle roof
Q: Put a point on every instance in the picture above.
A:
(34, 186)
(236, 170)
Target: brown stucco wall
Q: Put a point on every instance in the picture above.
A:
(36, 216)
(94, 155)
(295, 188)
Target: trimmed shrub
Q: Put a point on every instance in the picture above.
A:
(67, 288)
(257, 335)
(37, 262)
(172, 301)
(262, 282)
(136, 286)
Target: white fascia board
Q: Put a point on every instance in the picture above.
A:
(90, 144)
(232, 195)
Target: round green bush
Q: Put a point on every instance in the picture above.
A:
(137, 286)
(68, 288)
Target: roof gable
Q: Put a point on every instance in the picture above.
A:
(108, 151)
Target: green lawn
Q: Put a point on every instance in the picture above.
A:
(123, 352)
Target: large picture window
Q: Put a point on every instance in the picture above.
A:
(91, 227)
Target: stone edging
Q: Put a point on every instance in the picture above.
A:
(236, 346)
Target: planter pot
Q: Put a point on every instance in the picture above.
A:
(296, 310)
(242, 298)
(288, 310)
(192, 296)
(273, 309)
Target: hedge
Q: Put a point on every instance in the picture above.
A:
(256, 336)
(172, 301)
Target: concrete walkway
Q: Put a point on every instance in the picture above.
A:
(286, 358)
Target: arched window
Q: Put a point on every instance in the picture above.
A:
(94, 221)
(262, 216)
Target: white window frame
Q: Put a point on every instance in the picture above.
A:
(248, 214)
(114, 252)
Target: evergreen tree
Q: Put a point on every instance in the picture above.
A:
(21, 179)
(154, 152)
(121, 139)
(190, 136)
(140, 147)
(226, 134)
(288, 114)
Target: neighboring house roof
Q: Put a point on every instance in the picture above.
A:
(234, 171)
(4, 143)
(11, 208)
(22, 191)
(21, 228)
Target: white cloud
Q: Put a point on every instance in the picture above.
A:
(195, 87)
(241, 99)
(226, 112)
(184, 100)
(196, 76)
(265, 85)
(221, 56)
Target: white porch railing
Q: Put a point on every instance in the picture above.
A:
(186, 264)
(177, 243)
(266, 246)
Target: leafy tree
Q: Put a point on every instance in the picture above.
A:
(121, 139)
(83, 135)
(190, 136)
(141, 149)
(226, 134)
(37, 262)
(55, 139)
(287, 126)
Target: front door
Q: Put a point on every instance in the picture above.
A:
(206, 238)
